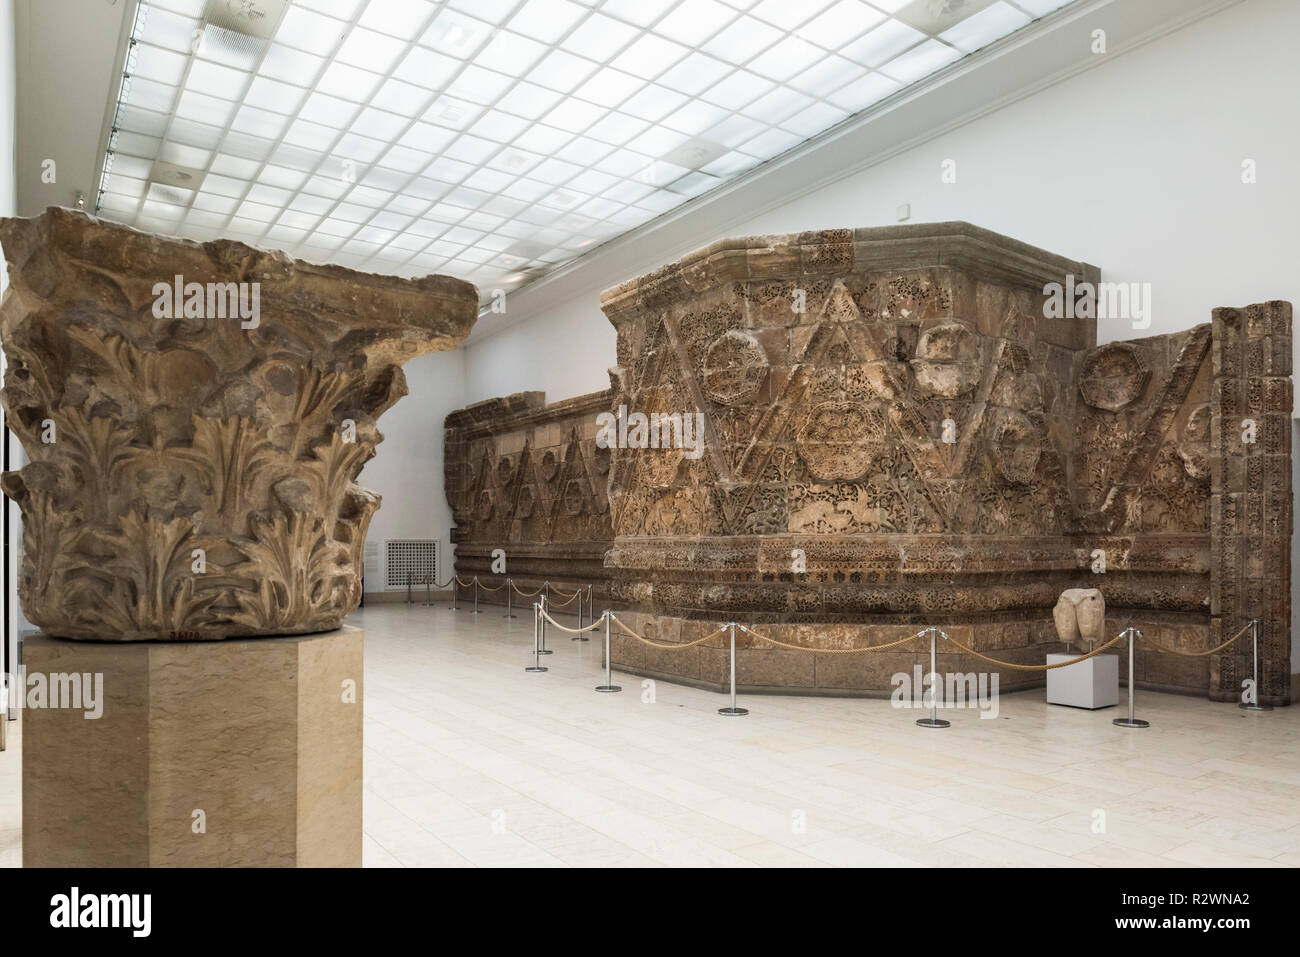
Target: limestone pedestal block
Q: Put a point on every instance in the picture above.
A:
(245, 752)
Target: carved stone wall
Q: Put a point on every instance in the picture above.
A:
(1251, 497)
(528, 478)
(927, 444)
(897, 434)
(193, 471)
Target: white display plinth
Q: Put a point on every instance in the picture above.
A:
(1089, 684)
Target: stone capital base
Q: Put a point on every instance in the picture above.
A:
(244, 752)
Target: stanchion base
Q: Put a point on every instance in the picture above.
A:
(580, 638)
(476, 612)
(546, 651)
(536, 668)
(608, 689)
(1130, 723)
(1255, 707)
(509, 616)
(932, 723)
(731, 711)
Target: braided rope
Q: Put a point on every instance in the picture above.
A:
(561, 604)
(1059, 664)
(489, 588)
(662, 644)
(556, 591)
(572, 631)
(833, 651)
(1197, 654)
(524, 594)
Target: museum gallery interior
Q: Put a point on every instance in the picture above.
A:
(641, 433)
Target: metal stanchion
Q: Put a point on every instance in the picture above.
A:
(1255, 705)
(510, 587)
(609, 686)
(933, 721)
(475, 611)
(577, 596)
(537, 664)
(543, 650)
(1130, 721)
(427, 595)
(408, 588)
(733, 709)
(455, 591)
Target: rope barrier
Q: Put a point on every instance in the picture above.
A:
(1131, 633)
(667, 645)
(524, 594)
(573, 631)
(1198, 654)
(921, 634)
(835, 651)
(1016, 667)
(556, 591)
(567, 601)
(489, 588)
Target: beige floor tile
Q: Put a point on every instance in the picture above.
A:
(470, 761)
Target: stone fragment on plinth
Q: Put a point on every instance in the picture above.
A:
(244, 752)
(196, 416)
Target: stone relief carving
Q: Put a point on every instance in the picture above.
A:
(193, 476)
(552, 516)
(839, 440)
(926, 435)
(934, 445)
(947, 360)
(734, 368)
(1113, 376)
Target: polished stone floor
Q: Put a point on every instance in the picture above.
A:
(471, 761)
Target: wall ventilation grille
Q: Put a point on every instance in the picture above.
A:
(416, 561)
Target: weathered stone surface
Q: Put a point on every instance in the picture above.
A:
(923, 443)
(152, 437)
(528, 478)
(241, 753)
(1080, 614)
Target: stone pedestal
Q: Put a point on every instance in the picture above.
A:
(244, 752)
(1091, 684)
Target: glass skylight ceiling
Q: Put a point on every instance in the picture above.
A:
(492, 140)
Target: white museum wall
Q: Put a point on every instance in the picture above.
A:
(407, 467)
(1134, 166)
